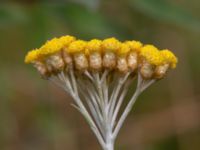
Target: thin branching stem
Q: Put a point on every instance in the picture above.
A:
(141, 85)
(72, 86)
(102, 109)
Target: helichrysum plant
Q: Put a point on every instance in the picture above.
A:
(97, 74)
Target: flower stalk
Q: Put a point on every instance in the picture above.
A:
(103, 108)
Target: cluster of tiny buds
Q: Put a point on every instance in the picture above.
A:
(64, 53)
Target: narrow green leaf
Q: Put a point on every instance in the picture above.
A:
(90, 4)
(163, 10)
(86, 23)
(12, 14)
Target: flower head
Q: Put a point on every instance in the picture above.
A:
(134, 45)
(77, 46)
(151, 54)
(111, 44)
(32, 56)
(94, 46)
(169, 58)
(123, 50)
(66, 40)
(50, 47)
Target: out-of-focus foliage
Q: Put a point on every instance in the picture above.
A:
(37, 115)
(166, 11)
(79, 19)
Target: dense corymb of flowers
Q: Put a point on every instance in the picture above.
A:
(97, 74)
(97, 55)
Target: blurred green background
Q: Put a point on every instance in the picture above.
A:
(36, 115)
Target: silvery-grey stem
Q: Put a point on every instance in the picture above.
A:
(103, 109)
(141, 86)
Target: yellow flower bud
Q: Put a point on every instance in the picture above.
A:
(111, 44)
(77, 46)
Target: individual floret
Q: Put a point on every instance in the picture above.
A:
(110, 46)
(132, 58)
(77, 49)
(122, 53)
(94, 52)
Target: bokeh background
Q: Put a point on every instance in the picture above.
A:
(36, 115)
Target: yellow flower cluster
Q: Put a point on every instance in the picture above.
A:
(50, 47)
(96, 55)
(156, 57)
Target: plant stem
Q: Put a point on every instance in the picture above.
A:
(109, 143)
(103, 109)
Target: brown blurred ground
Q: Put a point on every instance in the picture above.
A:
(34, 114)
